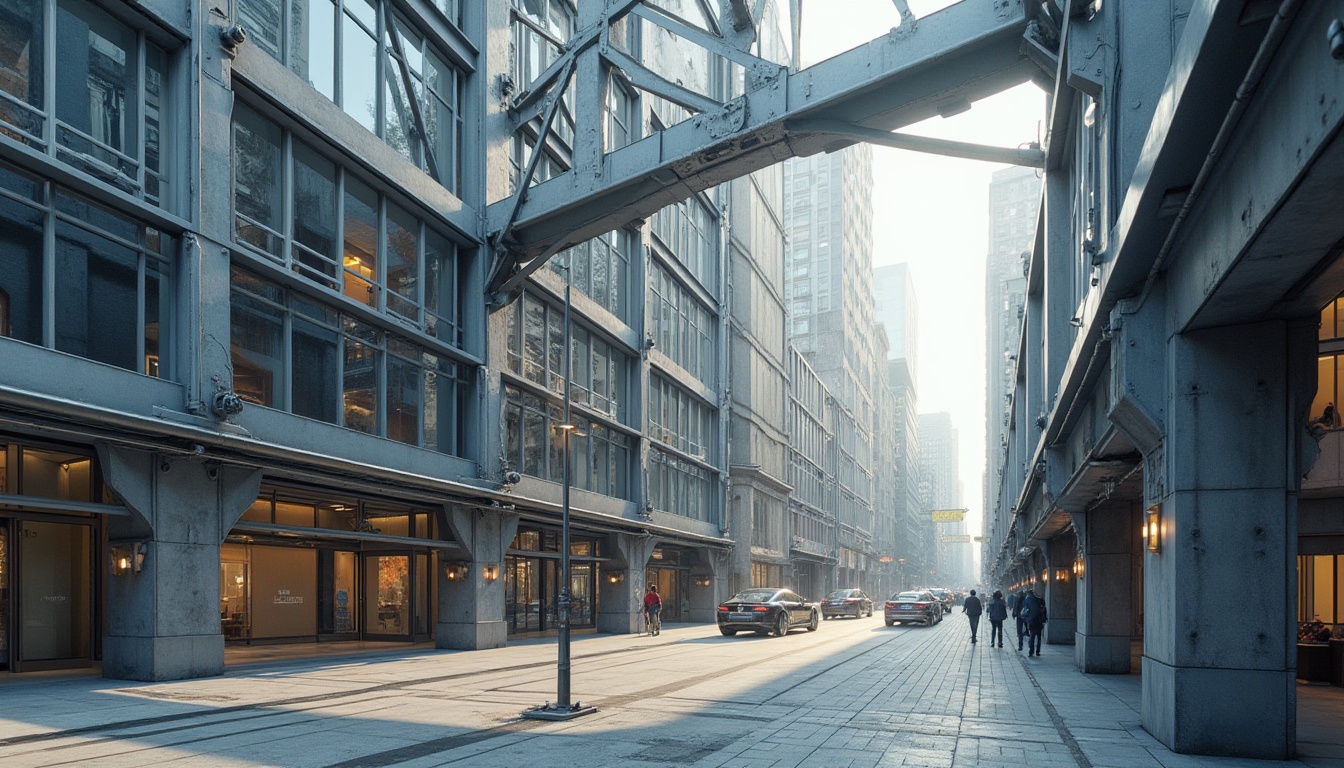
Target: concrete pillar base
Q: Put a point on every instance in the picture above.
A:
(1101, 654)
(155, 659)
(1209, 712)
(470, 636)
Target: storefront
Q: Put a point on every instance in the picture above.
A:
(669, 569)
(532, 581)
(303, 565)
(50, 526)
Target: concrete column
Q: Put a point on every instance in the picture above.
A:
(621, 605)
(1061, 594)
(471, 608)
(1228, 510)
(163, 622)
(1105, 592)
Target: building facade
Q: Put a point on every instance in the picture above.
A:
(1169, 456)
(940, 489)
(1014, 196)
(257, 390)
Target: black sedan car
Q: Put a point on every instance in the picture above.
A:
(767, 610)
(847, 602)
(911, 607)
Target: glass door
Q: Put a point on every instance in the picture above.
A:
(337, 590)
(55, 603)
(387, 595)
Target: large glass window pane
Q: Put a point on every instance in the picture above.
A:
(156, 69)
(359, 67)
(315, 231)
(97, 86)
(257, 187)
(403, 262)
(315, 368)
(441, 405)
(361, 242)
(534, 340)
(403, 399)
(314, 57)
(97, 310)
(21, 58)
(20, 272)
(440, 288)
(360, 380)
(257, 340)
(261, 19)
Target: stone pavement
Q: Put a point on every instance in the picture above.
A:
(853, 695)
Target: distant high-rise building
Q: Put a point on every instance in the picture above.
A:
(896, 309)
(828, 288)
(940, 483)
(1014, 194)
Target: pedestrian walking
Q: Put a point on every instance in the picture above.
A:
(997, 610)
(653, 608)
(1034, 614)
(1015, 606)
(972, 608)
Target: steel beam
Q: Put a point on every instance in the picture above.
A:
(960, 54)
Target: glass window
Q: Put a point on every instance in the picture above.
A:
(109, 276)
(341, 370)
(344, 235)
(375, 84)
(109, 86)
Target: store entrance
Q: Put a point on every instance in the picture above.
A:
(52, 606)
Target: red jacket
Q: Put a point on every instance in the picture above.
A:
(651, 599)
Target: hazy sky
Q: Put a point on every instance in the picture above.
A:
(932, 212)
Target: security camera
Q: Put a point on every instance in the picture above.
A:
(512, 478)
(1335, 34)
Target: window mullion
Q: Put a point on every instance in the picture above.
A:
(140, 110)
(142, 266)
(49, 77)
(49, 264)
(286, 393)
(287, 199)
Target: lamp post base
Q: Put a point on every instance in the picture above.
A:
(550, 711)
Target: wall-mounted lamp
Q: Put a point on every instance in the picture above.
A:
(128, 558)
(1045, 575)
(703, 581)
(1078, 568)
(1061, 574)
(1152, 529)
(456, 571)
(615, 577)
(490, 572)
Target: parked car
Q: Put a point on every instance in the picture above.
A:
(913, 607)
(765, 610)
(847, 602)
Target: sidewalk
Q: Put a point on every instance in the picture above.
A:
(852, 695)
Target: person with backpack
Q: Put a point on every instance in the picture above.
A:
(997, 612)
(1033, 613)
(1015, 607)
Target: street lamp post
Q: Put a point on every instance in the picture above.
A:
(563, 709)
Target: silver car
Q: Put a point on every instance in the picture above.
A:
(913, 608)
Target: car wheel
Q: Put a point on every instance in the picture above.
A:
(858, 613)
(812, 625)
(728, 632)
(890, 623)
(782, 625)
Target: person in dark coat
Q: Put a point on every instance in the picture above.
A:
(997, 610)
(972, 608)
(1033, 613)
(1015, 607)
